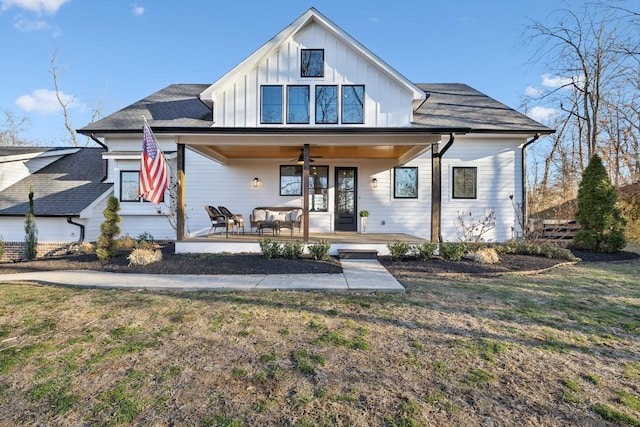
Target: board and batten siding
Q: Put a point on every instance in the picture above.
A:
(387, 104)
(498, 177)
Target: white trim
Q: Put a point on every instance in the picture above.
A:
(44, 153)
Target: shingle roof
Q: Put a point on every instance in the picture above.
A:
(20, 151)
(458, 105)
(177, 105)
(63, 188)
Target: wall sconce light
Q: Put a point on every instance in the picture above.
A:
(374, 181)
(255, 182)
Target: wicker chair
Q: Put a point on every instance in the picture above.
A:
(238, 219)
(217, 219)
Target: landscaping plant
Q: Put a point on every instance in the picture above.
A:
(270, 248)
(31, 230)
(292, 250)
(398, 249)
(424, 251)
(599, 215)
(452, 251)
(109, 229)
(319, 250)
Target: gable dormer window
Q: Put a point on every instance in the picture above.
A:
(312, 63)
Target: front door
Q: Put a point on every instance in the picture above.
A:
(346, 218)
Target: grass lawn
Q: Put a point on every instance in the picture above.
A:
(560, 348)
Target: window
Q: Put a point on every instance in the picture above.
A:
(291, 180)
(326, 104)
(353, 104)
(312, 63)
(318, 188)
(464, 183)
(129, 184)
(297, 104)
(405, 183)
(271, 98)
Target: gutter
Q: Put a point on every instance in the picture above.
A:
(523, 168)
(81, 239)
(436, 188)
(105, 162)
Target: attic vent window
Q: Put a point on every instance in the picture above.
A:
(312, 63)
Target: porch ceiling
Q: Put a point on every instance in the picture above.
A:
(224, 148)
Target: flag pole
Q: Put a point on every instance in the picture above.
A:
(160, 149)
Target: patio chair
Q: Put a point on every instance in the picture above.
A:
(238, 219)
(217, 219)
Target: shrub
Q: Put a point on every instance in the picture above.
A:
(145, 240)
(107, 245)
(398, 249)
(631, 212)
(269, 248)
(319, 250)
(424, 251)
(85, 248)
(31, 230)
(485, 256)
(126, 243)
(144, 256)
(546, 249)
(452, 251)
(1, 247)
(292, 250)
(599, 215)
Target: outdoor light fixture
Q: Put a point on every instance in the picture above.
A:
(255, 181)
(374, 181)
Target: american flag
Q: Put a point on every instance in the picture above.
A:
(153, 169)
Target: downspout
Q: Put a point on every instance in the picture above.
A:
(436, 188)
(81, 239)
(105, 161)
(523, 158)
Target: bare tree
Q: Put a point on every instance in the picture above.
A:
(63, 103)
(10, 132)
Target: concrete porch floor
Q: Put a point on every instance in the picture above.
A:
(248, 242)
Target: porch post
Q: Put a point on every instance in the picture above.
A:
(305, 193)
(436, 192)
(180, 195)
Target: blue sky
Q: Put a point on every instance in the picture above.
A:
(118, 52)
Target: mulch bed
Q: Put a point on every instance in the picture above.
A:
(256, 264)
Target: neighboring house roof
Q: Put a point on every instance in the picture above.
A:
(177, 105)
(63, 188)
(448, 105)
(457, 105)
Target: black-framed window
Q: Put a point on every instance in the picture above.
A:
(129, 186)
(352, 104)
(405, 183)
(291, 180)
(297, 104)
(465, 182)
(312, 63)
(271, 104)
(326, 104)
(319, 188)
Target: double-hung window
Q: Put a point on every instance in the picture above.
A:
(129, 184)
(271, 108)
(352, 104)
(465, 182)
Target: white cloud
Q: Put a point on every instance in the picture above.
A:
(533, 91)
(138, 10)
(555, 81)
(44, 101)
(541, 114)
(37, 6)
(29, 25)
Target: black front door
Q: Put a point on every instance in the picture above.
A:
(346, 199)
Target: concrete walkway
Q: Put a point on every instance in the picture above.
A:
(357, 276)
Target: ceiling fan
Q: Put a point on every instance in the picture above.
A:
(300, 159)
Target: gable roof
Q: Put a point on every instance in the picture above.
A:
(311, 16)
(63, 188)
(177, 105)
(457, 105)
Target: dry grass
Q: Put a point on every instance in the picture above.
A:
(561, 348)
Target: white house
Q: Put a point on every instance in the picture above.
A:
(415, 156)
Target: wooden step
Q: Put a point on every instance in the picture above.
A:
(357, 254)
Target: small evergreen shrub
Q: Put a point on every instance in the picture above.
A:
(319, 250)
(144, 256)
(398, 250)
(145, 241)
(31, 230)
(424, 251)
(270, 248)
(546, 249)
(292, 250)
(599, 215)
(107, 245)
(452, 251)
(126, 243)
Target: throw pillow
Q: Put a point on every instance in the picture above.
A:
(279, 216)
(259, 215)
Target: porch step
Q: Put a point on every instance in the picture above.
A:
(357, 254)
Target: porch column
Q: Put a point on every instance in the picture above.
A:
(180, 194)
(305, 194)
(436, 192)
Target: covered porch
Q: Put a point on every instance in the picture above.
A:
(249, 241)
